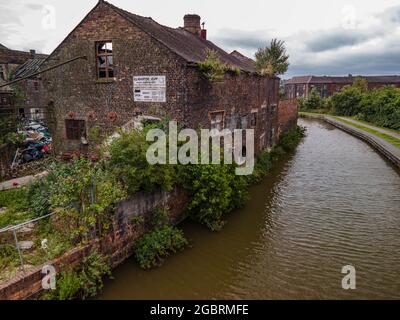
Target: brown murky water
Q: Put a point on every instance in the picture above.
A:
(334, 202)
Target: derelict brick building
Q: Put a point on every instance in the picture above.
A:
(326, 86)
(135, 66)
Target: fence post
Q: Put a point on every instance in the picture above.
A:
(19, 250)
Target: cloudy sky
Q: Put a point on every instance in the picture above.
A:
(322, 37)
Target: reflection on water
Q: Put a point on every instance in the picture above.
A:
(334, 202)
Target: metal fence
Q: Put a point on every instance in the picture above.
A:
(24, 252)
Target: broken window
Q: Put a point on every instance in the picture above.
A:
(75, 129)
(217, 120)
(105, 62)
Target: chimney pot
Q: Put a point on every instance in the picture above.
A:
(203, 34)
(192, 23)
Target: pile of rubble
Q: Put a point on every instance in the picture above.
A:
(37, 143)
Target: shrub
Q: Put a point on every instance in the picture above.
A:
(128, 162)
(153, 247)
(313, 102)
(85, 194)
(212, 67)
(289, 141)
(379, 106)
(84, 281)
(38, 197)
(261, 168)
(214, 190)
(68, 286)
(347, 102)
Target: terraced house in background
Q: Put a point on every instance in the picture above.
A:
(300, 87)
(128, 66)
(14, 63)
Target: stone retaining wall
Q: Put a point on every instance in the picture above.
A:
(118, 245)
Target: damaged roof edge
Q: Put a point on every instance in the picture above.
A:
(178, 41)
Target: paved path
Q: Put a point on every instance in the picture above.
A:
(20, 182)
(382, 130)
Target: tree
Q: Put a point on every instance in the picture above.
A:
(272, 60)
(361, 84)
(313, 102)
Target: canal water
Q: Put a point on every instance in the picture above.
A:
(334, 202)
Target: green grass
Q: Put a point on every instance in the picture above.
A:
(372, 124)
(312, 114)
(392, 140)
(15, 204)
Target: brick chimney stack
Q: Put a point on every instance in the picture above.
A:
(32, 52)
(192, 23)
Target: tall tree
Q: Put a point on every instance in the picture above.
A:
(272, 60)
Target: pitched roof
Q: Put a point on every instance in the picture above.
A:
(2, 47)
(29, 67)
(16, 56)
(190, 47)
(242, 57)
(341, 80)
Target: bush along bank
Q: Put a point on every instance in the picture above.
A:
(84, 194)
(380, 106)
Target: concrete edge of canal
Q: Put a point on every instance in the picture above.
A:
(383, 147)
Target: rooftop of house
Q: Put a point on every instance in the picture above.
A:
(9, 56)
(342, 80)
(29, 67)
(187, 45)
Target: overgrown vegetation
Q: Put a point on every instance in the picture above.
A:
(155, 246)
(83, 195)
(212, 67)
(272, 60)
(214, 190)
(15, 207)
(380, 106)
(82, 282)
(314, 102)
(129, 164)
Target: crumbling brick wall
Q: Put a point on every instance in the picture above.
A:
(117, 246)
(75, 87)
(73, 91)
(287, 115)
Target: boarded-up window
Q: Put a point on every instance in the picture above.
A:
(75, 129)
(105, 61)
(217, 120)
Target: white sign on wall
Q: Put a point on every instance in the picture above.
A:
(149, 89)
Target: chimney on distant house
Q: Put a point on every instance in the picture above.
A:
(32, 52)
(203, 32)
(191, 23)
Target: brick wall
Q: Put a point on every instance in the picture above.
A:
(73, 90)
(32, 90)
(118, 245)
(7, 152)
(74, 87)
(287, 115)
